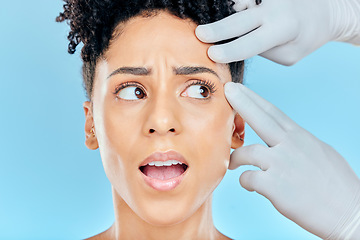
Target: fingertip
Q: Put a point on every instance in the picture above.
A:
(246, 179)
(230, 89)
(235, 159)
(217, 54)
(232, 165)
(204, 33)
(239, 7)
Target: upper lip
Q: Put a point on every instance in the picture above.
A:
(164, 156)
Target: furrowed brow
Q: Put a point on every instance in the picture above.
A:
(138, 71)
(189, 70)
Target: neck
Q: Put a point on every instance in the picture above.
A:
(128, 225)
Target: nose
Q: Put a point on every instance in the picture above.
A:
(163, 117)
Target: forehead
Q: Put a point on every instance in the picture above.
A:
(145, 41)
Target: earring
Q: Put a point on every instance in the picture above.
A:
(92, 131)
(238, 135)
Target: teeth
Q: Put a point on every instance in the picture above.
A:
(166, 163)
(158, 164)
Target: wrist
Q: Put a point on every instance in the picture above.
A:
(345, 19)
(348, 226)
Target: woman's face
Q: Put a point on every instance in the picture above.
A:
(158, 99)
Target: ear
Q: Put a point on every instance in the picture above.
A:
(238, 132)
(90, 134)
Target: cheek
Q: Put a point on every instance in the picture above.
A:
(217, 142)
(118, 136)
(212, 125)
(119, 126)
(212, 134)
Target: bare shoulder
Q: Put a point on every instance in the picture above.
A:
(221, 236)
(101, 236)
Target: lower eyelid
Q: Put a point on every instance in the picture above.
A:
(195, 98)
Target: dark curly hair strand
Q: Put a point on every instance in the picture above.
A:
(93, 22)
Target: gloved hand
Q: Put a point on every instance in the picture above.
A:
(283, 31)
(304, 178)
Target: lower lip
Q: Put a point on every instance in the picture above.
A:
(163, 185)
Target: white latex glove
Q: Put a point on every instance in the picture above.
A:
(283, 31)
(304, 178)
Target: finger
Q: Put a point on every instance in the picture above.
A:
(241, 5)
(235, 25)
(287, 54)
(252, 180)
(284, 121)
(256, 155)
(256, 42)
(268, 129)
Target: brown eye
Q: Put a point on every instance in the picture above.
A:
(204, 91)
(139, 93)
(131, 93)
(197, 91)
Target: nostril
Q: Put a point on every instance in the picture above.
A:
(151, 130)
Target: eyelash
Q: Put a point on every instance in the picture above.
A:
(206, 83)
(127, 84)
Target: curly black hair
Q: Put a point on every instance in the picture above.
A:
(93, 22)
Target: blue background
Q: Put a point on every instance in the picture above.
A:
(53, 187)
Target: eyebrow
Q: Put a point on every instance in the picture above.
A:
(138, 71)
(189, 70)
(184, 70)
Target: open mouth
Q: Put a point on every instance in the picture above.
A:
(163, 170)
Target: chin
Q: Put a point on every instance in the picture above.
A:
(164, 220)
(166, 212)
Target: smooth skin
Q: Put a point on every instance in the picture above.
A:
(171, 116)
